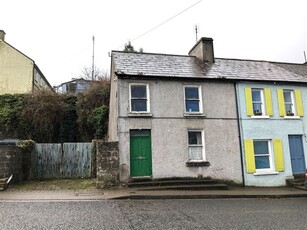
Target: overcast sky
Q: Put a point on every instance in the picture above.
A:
(57, 34)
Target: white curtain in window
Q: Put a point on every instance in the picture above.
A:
(195, 153)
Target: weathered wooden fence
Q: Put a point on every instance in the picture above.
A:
(67, 160)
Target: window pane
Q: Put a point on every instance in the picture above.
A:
(194, 138)
(262, 162)
(138, 91)
(191, 93)
(288, 108)
(192, 106)
(256, 95)
(195, 153)
(287, 96)
(261, 147)
(138, 133)
(257, 108)
(138, 105)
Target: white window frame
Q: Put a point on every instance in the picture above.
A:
(147, 97)
(199, 99)
(262, 101)
(293, 105)
(270, 155)
(202, 145)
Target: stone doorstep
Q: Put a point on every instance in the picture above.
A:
(177, 184)
(186, 187)
(136, 182)
(302, 187)
(295, 182)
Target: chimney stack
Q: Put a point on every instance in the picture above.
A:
(203, 50)
(2, 35)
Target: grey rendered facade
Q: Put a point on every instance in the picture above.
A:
(167, 80)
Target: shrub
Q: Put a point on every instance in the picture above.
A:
(49, 117)
(10, 110)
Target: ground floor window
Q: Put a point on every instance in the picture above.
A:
(196, 145)
(263, 154)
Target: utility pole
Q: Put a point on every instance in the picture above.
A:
(93, 60)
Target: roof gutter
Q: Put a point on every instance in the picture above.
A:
(171, 78)
(140, 76)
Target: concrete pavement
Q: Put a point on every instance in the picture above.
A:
(134, 193)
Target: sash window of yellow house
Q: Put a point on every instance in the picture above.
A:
(195, 144)
(263, 155)
(258, 102)
(289, 102)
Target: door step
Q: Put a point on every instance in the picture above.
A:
(186, 187)
(178, 184)
(295, 182)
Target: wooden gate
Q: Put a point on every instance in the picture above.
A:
(67, 160)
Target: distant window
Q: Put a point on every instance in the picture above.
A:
(139, 98)
(192, 96)
(195, 145)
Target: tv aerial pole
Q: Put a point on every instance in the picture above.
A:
(196, 33)
(93, 60)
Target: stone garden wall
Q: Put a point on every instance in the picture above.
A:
(107, 164)
(22, 162)
(12, 161)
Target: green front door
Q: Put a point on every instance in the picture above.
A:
(140, 153)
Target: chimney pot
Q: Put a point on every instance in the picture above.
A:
(203, 50)
(2, 35)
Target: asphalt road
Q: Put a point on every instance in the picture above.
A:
(156, 214)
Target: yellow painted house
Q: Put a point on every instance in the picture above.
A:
(19, 73)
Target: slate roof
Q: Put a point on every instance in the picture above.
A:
(180, 66)
(300, 69)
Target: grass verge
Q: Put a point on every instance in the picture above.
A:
(55, 184)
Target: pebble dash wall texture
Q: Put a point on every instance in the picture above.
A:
(169, 126)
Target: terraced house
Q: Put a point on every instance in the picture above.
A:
(173, 116)
(272, 122)
(200, 116)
